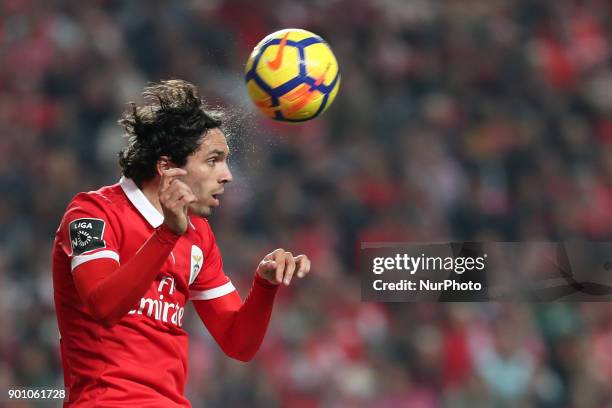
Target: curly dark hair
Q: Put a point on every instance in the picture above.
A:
(172, 123)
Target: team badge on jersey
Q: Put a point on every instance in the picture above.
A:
(86, 235)
(197, 260)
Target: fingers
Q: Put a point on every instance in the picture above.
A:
(268, 265)
(277, 257)
(303, 265)
(279, 266)
(272, 254)
(180, 192)
(168, 176)
(289, 268)
(280, 259)
(177, 195)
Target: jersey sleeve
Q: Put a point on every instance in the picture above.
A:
(209, 281)
(86, 232)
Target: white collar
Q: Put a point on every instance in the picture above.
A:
(141, 202)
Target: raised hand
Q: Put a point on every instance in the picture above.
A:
(280, 266)
(175, 198)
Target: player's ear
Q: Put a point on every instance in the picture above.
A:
(163, 163)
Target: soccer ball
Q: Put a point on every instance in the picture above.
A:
(292, 75)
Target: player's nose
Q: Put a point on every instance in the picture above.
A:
(226, 174)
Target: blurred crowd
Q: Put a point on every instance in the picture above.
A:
(456, 120)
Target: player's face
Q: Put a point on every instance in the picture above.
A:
(208, 172)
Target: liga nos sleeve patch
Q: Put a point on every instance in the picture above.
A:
(86, 235)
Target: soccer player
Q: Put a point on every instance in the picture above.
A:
(128, 257)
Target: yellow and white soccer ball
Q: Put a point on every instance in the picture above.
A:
(292, 75)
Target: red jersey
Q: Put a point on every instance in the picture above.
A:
(143, 358)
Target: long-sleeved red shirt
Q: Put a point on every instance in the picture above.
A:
(121, 282)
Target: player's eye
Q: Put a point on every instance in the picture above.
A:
(211, 162)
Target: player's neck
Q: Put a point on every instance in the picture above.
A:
(149, 189)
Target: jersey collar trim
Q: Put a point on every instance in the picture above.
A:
(141, 202)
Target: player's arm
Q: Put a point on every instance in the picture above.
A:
(110, 290)
(239, 328)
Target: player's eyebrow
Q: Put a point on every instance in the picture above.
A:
(216, 152)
